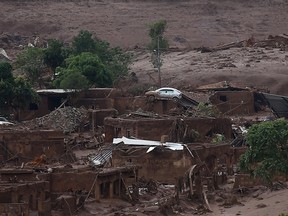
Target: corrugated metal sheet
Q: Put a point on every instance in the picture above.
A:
(150, 143)
(278, 104)
(102, 156)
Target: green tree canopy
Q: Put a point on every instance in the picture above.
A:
(115, 59)
(267, 154)
(90, 66)
(88, 56)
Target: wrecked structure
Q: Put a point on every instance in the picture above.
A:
(173, 127)
(65, 188)
(23, 146)
(167, 161)
(160, 145)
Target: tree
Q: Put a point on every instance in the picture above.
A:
(83, 42)
(6, 91)
(14, 93)
(90, 66)
(114, 59)
(55, 54)
(156, 33)
(31, 61)
(5, 71)
(158, 44)
(267, 154)
(23, 94)
(74, 80)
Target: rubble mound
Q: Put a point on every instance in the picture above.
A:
(67, 119)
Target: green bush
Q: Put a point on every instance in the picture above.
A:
(267, 154)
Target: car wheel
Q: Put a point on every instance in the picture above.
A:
(175, 99)
(151, 98)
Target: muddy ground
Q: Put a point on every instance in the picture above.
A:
(191, 24)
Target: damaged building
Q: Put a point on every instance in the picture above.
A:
(140, 140)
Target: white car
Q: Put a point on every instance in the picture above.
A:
(4, 121)
(164, 92)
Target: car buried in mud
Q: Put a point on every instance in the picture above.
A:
(164, 93)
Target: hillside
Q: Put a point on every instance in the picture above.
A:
(191, 24)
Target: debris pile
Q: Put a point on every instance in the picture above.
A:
(67, 119)
(278, 41)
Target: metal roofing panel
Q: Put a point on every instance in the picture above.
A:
(151, 143)
(278, 104)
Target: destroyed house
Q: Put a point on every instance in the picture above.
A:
(173, 127)
(165, 162)
(27, 191)
(24, 146)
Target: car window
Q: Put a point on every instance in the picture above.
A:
(3, 119)
(163, 91)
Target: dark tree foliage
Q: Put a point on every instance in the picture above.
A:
(267, 154)
(83, 42)
(55, 54)
(5, 71)
(14, 93)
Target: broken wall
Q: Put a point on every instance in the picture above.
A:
(14, 209)
(47, 103)
(126, 104)
(97, 116)
(166, 165)
(153, 129)
(95, 103)
(26, 145)
(233, 102)
(161, 164)
(207, 127)
(35, 194)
